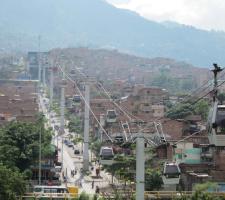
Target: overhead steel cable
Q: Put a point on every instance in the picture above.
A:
(127, 114)
(70, 79)
(107, 94)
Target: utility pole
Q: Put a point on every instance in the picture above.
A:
(140, 168)
(44, 72)
(39, 170)
(215, 71)
(39, 94)
(51, 85)
(86, 127)
(62, 107)
(62, 103)
(39, 64)
(62, 152)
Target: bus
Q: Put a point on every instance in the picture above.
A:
(56, 191)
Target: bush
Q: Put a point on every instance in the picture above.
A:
(84, 196)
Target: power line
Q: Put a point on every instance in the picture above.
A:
(202, 86)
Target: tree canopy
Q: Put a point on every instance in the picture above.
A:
(19, 148)
(182, 110)
(19, 143)
(11, 183)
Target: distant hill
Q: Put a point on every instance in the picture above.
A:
(109, 66)
(97, 24)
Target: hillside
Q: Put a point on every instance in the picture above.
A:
(113, 65)
(97, 24)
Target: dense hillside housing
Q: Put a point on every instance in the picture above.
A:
(18, 100)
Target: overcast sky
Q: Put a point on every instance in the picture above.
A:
(205, 14)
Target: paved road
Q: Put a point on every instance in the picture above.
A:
(72, 161)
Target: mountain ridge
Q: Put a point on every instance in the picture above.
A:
(95, 23)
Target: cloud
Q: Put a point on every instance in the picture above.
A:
(206, 14)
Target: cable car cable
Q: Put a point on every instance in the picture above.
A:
(70, 79)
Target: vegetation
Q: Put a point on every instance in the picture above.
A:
(173, 84)
(19, 144)
(201, 193)
(153, 180)
(84, 196)
(75, 125)
(96, 146)
(19, 149)
(55, 108)
(12, 183)
(182, 110)
(221, 97)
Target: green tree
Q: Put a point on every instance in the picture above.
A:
(201, 108)
(123, 166)
(12, 183)
(84, 196)
(201, 193)
(153, 180)
(221, 97)
(182, 110)
(75, 125)
(19, 143)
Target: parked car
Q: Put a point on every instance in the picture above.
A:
(70, 144)
(66, 142)
(76, 151)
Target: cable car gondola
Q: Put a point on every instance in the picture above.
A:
(111, 116)
(171, 173)
(216, 125)
(106, 155)
(76, 99)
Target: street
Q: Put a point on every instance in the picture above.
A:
(71, 162)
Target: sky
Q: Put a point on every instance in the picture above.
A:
(204, 14)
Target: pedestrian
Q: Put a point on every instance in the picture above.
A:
(92, 184)
(97, 190)
(97, 172)
(64, 178)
